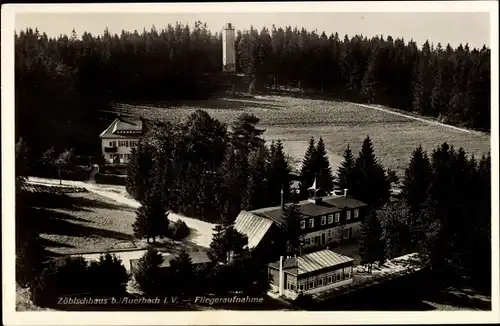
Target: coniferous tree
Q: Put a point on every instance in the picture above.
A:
(235, 172)
(346, 178)
(278, 173)
(323, 169)
(227, 243)
(181, 273)
(291, 214)
(148, 272)
(372, 186)
(371, 247)
(307, 171)
(396, 236)
(108, 276)
(217, 251)
(133, 174)
(246, 137)
(152, 217)
(138, 170)
(258, 178)
(416, 181)
(370, 83)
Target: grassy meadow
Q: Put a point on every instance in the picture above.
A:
(79, 222)
(295, 120)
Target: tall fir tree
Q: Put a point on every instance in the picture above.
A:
(322, 168)
(292, 214)
(416, 181)
(258, 178)
(148, 273)
(372, 186)
(245, 135)
(346, 177)
(307, 171)
(138, 170)
(278, 173)
(152, 216)
(181, 274)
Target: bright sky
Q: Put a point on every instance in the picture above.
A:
(453, 27)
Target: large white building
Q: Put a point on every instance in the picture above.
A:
(118, 140)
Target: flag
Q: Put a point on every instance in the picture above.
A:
(313, 187)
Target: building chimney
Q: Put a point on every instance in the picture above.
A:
(281, 282)
(345, 192)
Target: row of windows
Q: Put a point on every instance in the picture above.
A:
(330, 219)
(120, 156)
(123, 143)
(324, 280)
(346, 234)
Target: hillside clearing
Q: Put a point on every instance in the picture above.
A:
(295, 120)
(109, 210)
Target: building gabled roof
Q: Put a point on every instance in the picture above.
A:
(327, 205)
(122, 128)
(253, 226)
(312, 262)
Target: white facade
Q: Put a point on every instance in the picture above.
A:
(228, 48)
(313, 284)
(123, 149)
(327, 236)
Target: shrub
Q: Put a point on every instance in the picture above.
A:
(43, 288)
(108, 276)
(148, 273)
(74, 276)
(67, 277)
(178, 230)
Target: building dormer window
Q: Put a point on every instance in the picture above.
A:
(356, 213)
(348, 215)
(323, 220)
(330, 219)
(337, 217)
(302, 225)
(311, 223)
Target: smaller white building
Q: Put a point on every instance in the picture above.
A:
(312, 273)
(119, 138)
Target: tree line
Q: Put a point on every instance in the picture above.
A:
(451, 84)
(65, 84)
(444, 215)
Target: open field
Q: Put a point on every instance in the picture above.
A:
(107, 211)
(78, 222)
(295, 120)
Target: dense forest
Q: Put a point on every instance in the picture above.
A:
(64, 84)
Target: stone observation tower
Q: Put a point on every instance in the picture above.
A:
(228, 49)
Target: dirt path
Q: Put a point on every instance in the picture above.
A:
(416, 118)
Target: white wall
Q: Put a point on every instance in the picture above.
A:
(334, 234)
(120, 149)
